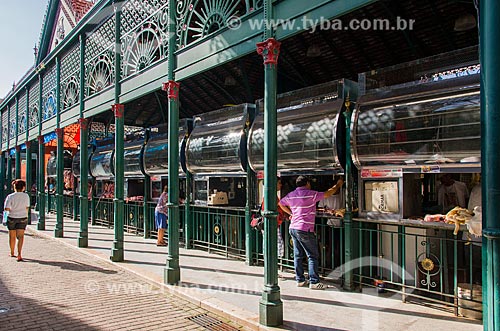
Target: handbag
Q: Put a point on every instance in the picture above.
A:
(257, 220)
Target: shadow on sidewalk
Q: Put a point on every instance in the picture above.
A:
(72, 265)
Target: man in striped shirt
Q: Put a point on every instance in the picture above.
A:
(301, 205)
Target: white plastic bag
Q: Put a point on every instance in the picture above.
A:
(475, 224)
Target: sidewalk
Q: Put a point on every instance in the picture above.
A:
(233, 290)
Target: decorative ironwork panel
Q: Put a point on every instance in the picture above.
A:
(70, 77)
(21, 118)
(144, 38)
(197, 19)
(97, 130)
(33, 104)
(99, 58)
(12, 121)
(49, 94)
(5, 126)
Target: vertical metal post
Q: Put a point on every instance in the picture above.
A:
(249, 232)
(172, 274)
(59, 229)
(188, 221)
(118, 109)
(83, 236)
(28, 152)
(18, 148)
(147, 197)
(41, 163)
(490, 160)
(9, 172)
(348, 248)
(270, 306)
(2, 175)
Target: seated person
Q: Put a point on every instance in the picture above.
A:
(336, 201)
(452, 193)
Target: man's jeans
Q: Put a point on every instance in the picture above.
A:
(305, 244)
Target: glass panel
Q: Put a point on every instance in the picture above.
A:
(218, 142)
(101, 162)
(51, 166)
(132, 159)
(442, 128)
(156, 150)
(305, 137)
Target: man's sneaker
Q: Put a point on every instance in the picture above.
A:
(317, 286)
(302, 284)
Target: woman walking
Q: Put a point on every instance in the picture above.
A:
(161, 216)
(17, 205)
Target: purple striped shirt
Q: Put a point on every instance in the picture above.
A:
(302, 203)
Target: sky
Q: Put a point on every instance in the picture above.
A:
(20, 27)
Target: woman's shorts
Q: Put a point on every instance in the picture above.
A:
(160, 220)
(17, 223)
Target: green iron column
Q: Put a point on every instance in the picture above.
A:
(188, 220)
(28, 174)
(118, 201)
(40, 186)
(271, 306)
(249, 232)
(2, 176)
(118, 110)
(83, 237)
(59, 229)
(9, 172)
(17, 171)
(490, 160)
(348, 249)
(172, 273)
(147, 197)
(28, 152)
(18, 148)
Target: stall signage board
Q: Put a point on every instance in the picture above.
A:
(381, 173)
(432, 169)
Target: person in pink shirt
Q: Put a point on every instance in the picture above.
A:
(301, 205)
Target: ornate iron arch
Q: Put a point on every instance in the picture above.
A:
(70, 93)
(144, 48)
(197, 19)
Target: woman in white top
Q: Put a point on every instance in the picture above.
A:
(17, 205)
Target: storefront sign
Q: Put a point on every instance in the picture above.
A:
(381, 173)
(430, 169)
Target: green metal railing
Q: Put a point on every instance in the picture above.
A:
(134, 217)
(68, 205)
(424, 263)
(330, 240)
(104, 211)
(153, 233)
(51, 202)
(220, 230)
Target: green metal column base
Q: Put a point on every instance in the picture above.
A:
(83, 240)
(40, 225)
(172, 272)
(83, 235)
(59, 233)
(348, 281)
(117, 252)
(271, 307)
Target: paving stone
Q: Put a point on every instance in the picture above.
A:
(59, 288)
